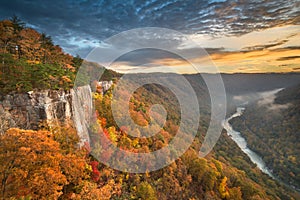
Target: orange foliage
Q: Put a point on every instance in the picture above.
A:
(30, 165)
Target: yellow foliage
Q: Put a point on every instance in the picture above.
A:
(223, 189)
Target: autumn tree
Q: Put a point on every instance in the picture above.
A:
(73, 164)
(223, 189)
(146, 191)
(30, 60)
(30, 44)
(7, 35)
(30, 165)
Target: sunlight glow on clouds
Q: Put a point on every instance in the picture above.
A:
(240, 35)
(271, 50)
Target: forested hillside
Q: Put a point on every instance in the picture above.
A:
(49, 164)
(30, 60)
(272, 129)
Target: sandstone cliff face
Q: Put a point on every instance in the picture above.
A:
(28, 110)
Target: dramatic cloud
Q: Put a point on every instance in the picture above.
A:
(100, 19)
(79, 26)
(288, 58)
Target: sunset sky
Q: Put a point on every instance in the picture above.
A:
(240, 35)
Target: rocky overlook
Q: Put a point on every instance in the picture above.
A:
(29, 110)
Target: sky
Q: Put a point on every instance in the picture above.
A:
(250, 36)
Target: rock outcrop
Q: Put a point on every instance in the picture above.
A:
(29, 110)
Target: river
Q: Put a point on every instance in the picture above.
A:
(242, 143)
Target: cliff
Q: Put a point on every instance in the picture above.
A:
(29, 110)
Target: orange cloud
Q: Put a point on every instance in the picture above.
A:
(271, 50)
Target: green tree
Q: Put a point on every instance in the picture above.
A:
(146, 191)
(17, 23)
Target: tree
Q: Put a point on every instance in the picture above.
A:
(7, 35)
(197, 169)
(74, 161)
(17, 23)
(91, 190)
(235, 193)
(30, 45)
(209, 180)
(30, 165)
(77, 61)
(46, 45)
(223, 188)
(145, 191)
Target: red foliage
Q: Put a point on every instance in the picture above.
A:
(95, 171)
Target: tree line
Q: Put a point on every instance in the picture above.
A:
(30, 59)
